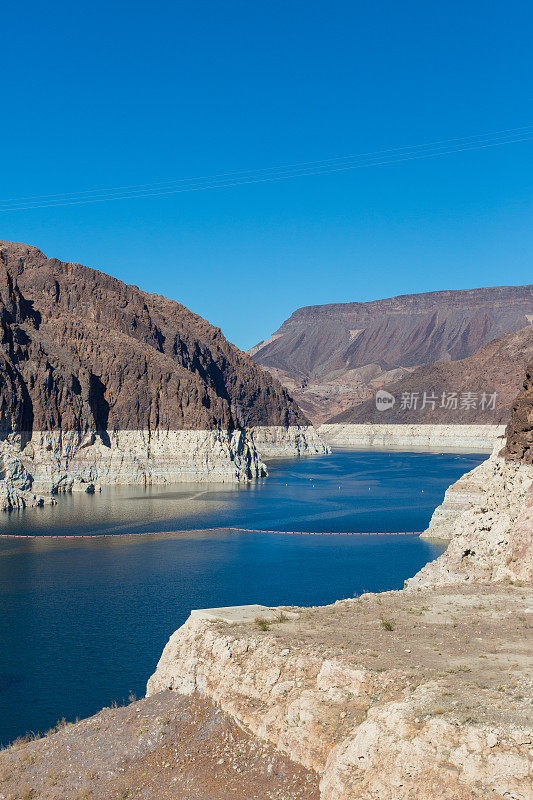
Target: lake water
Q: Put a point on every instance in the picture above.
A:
(83, 621)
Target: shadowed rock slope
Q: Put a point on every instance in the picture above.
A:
(495, 369)
(334, 356)
(82, 350)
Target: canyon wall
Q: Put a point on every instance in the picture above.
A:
(102, 383)
(334, 357)
(55, 461)
(477, 390)
(275, 441)
(487, 515)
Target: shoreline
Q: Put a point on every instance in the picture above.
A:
(456, 438)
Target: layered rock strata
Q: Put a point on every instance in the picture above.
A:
(332, 357)
(487, 518)
(487, 515)
(101, 382)
(479, 438)
(275, 441)
(478, 390)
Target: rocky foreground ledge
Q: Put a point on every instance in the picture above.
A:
(393, 696)
(421, 694)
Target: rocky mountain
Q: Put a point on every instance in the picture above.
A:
(331, 357)
(85, 351)
(479, 389)
(102, 381)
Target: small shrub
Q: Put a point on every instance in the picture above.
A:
(387, 624)
(262, 623)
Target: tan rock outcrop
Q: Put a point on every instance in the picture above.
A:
(274, 441)
(486, 516)
(418, 711)
(422, 694)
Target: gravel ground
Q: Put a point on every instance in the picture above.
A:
(162, 747)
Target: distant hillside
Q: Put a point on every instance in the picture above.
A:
(333, 356)
(485, 385)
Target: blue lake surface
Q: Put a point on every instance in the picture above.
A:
(83, 621)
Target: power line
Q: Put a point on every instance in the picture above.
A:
(270, 174)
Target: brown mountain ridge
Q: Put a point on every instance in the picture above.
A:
(333, 356)
(485, 385)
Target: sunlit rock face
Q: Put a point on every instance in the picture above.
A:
(421, 693)
(487, 515)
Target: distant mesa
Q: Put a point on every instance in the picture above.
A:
(334, 357)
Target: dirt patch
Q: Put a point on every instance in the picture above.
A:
(162, 747)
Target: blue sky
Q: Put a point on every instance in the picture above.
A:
(109, 94)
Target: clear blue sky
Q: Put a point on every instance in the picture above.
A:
(105, 94)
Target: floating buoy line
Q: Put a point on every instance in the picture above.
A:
(202, 530)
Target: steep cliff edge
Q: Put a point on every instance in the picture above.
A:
(102, 382)
(519, 433)
(394, 696)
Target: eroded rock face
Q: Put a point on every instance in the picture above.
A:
(466, 438)
(486, 519)
(103, 383)
(87, 352)
(519, 433)
(491, 377)
(416, 712)
(16, 483)
(420, 694)
(487, 514)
